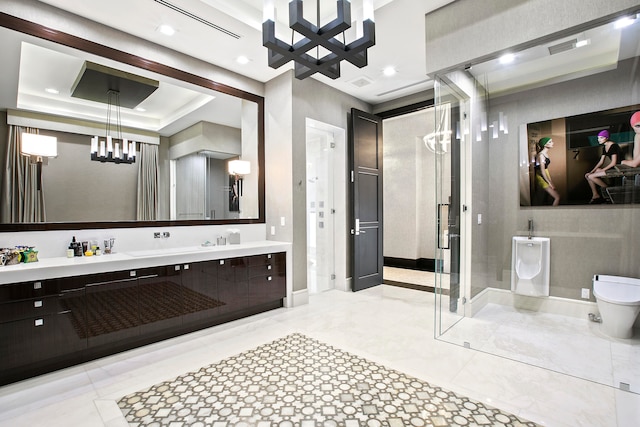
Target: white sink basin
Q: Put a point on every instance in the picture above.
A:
(169, 251)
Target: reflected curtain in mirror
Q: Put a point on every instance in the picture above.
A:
(148, 181)
(22, 194)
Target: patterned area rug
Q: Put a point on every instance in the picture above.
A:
(299, 381)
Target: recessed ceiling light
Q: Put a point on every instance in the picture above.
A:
(507, 58)
(242, 60)
(142, 110)
(583, 42)
(389, 71)
(52, 90)
(167, 30)
(624, 22)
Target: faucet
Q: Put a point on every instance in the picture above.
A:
(530, 228)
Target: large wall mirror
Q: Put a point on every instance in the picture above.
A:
(188, 133)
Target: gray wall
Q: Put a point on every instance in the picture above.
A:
(585, 240)
(289, 102)
(409, 187)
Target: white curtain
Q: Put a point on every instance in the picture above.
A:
(22, 195)
(148, 182)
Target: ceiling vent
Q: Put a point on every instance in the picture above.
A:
(197, 18)
(562, 47)
(361, 81)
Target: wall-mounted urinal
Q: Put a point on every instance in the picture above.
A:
(530, 259)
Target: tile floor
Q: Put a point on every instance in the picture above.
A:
(569, 345)
(300, 381)
(387, 325)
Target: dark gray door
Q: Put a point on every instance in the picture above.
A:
(365, 160)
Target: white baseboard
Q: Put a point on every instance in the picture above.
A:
(299, 298)
(343, 285)
(553, 305)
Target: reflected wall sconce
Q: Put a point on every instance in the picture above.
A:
(109, 149)
(38, 148)
(321, 39)
(239, 168)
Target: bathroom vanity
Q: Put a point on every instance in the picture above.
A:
(60, 312)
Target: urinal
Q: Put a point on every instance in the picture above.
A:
(528, 260)
(530, 266)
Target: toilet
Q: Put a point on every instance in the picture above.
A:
(618, 300)
(530, 266)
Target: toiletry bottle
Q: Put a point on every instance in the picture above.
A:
(77, 247)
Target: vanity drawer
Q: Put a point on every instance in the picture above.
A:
(23, 309)
(265, 259)
(266, 265)
(27, 290)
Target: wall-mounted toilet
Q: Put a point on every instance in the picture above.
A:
(530, 259)
(618, 300)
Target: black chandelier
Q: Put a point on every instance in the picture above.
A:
(114, 150)
(316, 37)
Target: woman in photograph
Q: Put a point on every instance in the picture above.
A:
(635, 125)
(543, 177)
(611, 150)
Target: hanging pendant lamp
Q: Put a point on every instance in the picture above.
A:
(315, 37)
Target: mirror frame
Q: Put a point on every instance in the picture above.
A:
(65, 39)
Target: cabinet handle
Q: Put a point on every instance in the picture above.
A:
(37, 304)
(37, 285)
(39, 322)
(113, 281)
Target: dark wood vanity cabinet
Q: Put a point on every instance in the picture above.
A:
(267, 278)
(49, 324)
(40, 324)
(123, 307)
(233, 288)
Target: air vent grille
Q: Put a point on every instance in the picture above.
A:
(361, 81)
(197, 18)
(562, 47)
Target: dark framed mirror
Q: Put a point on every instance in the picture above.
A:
(198, 127)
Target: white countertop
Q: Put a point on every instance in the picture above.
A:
(49, 268)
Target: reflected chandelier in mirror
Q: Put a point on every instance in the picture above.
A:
(187, 130)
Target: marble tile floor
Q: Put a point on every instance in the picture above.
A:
(570, 345)
(387, 325)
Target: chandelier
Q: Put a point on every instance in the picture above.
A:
(315, 37)
(110, 149)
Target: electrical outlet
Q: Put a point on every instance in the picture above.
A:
(273, 230)
(585, 293)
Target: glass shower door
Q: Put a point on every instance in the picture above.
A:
(447, 142)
